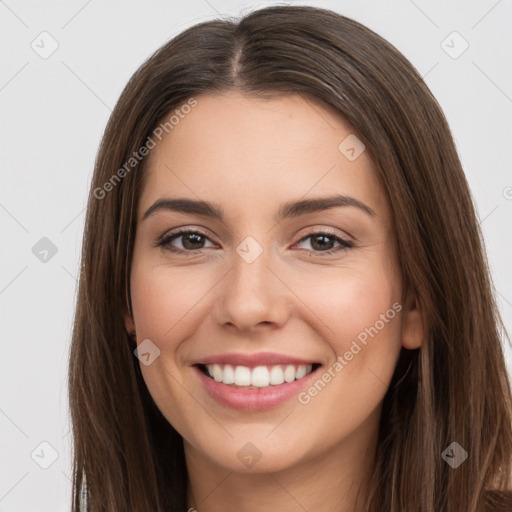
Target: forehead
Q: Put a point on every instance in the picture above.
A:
(246, 152)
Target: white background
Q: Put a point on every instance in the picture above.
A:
(53, 112)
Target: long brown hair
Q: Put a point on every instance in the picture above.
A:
(455, 388)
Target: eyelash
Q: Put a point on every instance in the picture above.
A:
(165, 241)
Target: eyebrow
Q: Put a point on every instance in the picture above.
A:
(287, 210)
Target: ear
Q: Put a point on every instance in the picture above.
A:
(411, 336)
(128, 322)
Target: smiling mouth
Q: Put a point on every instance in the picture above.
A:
(257, 377)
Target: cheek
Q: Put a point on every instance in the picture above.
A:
(166, 301)
(359, 316)
(346, 302)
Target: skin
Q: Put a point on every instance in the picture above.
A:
(250, 155)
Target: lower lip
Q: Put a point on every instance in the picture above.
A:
(254, 399)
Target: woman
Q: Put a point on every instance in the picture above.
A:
(222, 359)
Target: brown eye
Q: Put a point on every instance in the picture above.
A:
(191, 241)
(322, 242)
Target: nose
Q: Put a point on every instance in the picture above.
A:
(252, 296)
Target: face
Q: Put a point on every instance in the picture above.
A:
(301, 307)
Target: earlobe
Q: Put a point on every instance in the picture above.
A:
(412, 324)
(129, 324)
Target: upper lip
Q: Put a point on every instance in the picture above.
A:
(256, 359)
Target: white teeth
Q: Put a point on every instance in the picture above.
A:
(242, 376)
(229, 374)
(276, 376)
(218, 374)
(301, 371)
(289, 373)
(259, 376)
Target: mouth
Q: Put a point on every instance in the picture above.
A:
(253, 382)
(256, 377)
